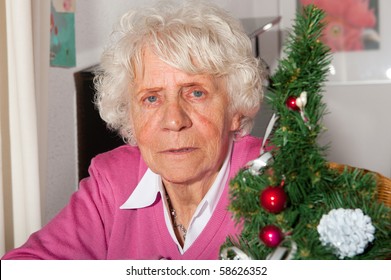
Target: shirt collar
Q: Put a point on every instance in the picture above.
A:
(146, 191)
(151, 184)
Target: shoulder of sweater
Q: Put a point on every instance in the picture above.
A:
(119, 154)
(250, 141)
(116, 173)
(247, 147)
(121, 163)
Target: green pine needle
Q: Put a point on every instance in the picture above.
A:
(299, 163)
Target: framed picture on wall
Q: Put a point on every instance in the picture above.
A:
(359, 34)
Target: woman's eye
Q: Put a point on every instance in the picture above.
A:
(197, 93)
(151, 99)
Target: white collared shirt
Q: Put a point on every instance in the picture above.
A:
(151, 184)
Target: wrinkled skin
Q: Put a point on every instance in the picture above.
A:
(182, 125)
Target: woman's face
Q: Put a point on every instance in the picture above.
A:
(181, 122)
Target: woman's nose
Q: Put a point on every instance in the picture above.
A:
(175, 117)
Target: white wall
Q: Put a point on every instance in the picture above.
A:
(359, 125)
(359, 132)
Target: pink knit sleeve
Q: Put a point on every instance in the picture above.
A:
(79, 231)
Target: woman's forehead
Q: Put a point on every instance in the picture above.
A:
(154, 69)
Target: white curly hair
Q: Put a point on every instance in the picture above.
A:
(180, 34)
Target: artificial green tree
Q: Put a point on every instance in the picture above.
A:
(293, 204)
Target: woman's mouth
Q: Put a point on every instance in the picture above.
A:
(180, 150)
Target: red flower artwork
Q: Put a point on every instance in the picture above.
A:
(346, 22)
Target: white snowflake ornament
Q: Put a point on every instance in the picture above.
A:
(347, 231)
(238, 254)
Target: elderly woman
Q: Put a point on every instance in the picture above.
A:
(181, 86)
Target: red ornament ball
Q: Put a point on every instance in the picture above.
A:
(291, 103)
(273, 199)
(271, 236)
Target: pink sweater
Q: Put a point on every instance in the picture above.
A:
(92, 226)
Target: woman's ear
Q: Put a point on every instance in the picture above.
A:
(235, 123)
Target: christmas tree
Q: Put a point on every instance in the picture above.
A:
(291, 203)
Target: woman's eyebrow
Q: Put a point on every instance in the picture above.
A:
(148, 89)
(191, 84)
